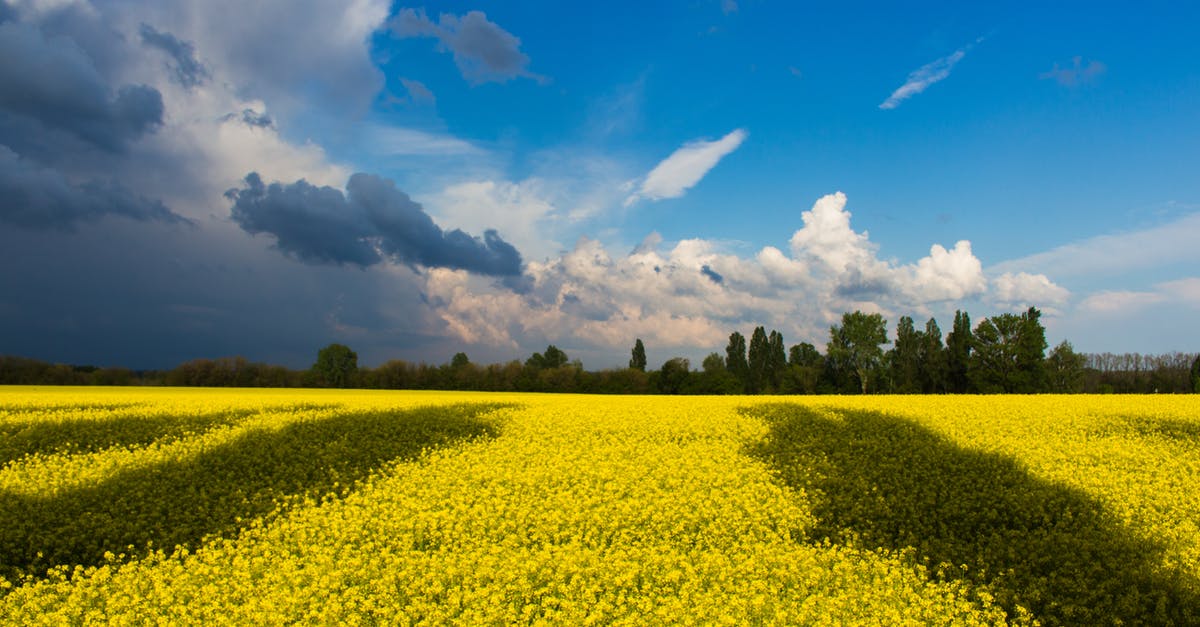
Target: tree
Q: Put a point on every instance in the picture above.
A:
(459, 361)
(855, 346)
(776, 360)
(336, 366)
(1064, 369)
(959, 344)
(673, 376)
(552, 358)
(804, 354)
(1009, 354)
(735, 358)
(638, 360)
(905, 358)
(759, 357)
(932, 357)
(1196, 375)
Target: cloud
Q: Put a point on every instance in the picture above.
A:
(57, 87)
(371, 222)
(1118, 253)
(418, 92)
(391, 140)
(482, 50)
(41, 198)
(1022, 290)
(1122, 303)
(1077, 74)
(921, 78)
(685, 167)
(688, 296)
(187, 70)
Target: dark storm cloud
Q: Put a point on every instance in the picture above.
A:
(482, 50)
(42, 198)
(372, 221)
(188, 71)
(56, 85)
(712, 274)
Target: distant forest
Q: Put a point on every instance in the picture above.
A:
(1005, 353)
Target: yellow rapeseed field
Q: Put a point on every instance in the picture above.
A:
(191, 506)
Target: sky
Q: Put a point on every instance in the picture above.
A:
(183, 180)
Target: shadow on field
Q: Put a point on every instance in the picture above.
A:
(21, 438)
(221, 490)
(883, 481)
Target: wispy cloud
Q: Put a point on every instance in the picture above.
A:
(482, 49)
(921, 78)
(1076, 74)
(685, 167)
(407, 141)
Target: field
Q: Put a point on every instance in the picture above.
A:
(283, 506)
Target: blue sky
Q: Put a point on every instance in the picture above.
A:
(182, 180)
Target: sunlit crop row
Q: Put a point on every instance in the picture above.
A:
(266, 507)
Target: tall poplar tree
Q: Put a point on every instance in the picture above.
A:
(905, 358)
(933, 359)
(958, 353)
(638, 360)
(776, 359)
(735, 358)
(759, 357)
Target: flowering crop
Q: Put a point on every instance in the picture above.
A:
(265, 507)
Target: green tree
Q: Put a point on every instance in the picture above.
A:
(804, 354)
(673, 375)
(735, 358)
(959, 344)
(905, 358)
(776, 360)
(759, 357)
(1196, 375)
(638, 360)
(932, 357)
(459, 361)
(855, 347)
(1009, 354)
(336, 366)
(714, 377)
(1064, 369)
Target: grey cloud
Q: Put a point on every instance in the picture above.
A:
(856, 285)
(372, 221)
(712, 274)
(58, 86)
(418, 92)
(188, 71)
(42, 198)
(1076, 74)
(252, 118)
(482, 50)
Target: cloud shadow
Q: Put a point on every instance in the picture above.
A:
(221, 490)
(881, 481)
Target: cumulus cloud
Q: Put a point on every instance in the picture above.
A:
(483, 51)
(689, 295)
(1077, 74)
(42, 198)
(685, 167)
(57, 87)
(372, 221)
(1022, 290)
(921, 78)
(185, 67)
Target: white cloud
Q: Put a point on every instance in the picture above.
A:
(1119, 253)
(921, 78)
(1022, 290)
(522, 212)
(591, 297)
(685, 167)
(391, 140)
(1124, 303)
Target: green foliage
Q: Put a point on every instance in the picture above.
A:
(638, 359)
(1064, 369)
(776, 360)
(959, 344)
(1009, 354)
(735, 359)
(336, 366)
(759, 358)
(855, 348)
(905, 358)
(460, 361)
(932, 358)
(1029, 544)
(1196, 375)
(673, 377)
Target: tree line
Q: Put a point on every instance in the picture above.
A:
(1005, 353)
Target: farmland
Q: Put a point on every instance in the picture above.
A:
(272, 506)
